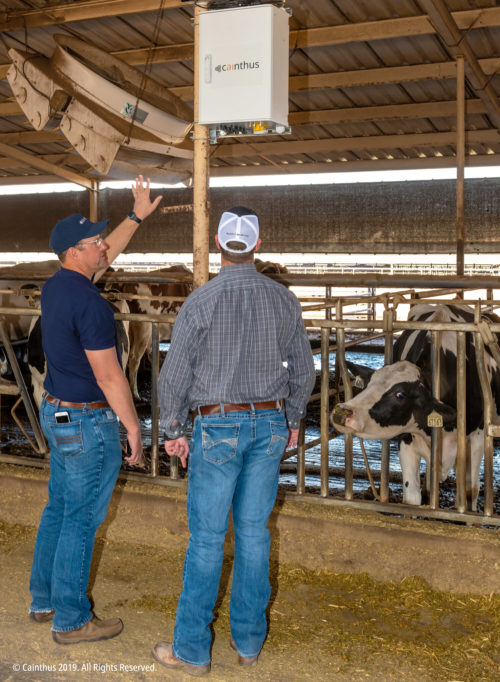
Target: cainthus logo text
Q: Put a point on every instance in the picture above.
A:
(240, 66)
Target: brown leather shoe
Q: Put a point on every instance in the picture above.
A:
(93, 631)
(162, 652)
(244, 660)
(41, 616)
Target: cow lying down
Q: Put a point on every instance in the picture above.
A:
(398, 399)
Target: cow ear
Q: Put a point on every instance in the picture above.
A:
(448, 413)
(424, 366)
(362, 374)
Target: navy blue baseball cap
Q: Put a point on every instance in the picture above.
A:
(69, 231)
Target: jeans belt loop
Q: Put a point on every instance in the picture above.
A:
(252, 407)
(222, 408)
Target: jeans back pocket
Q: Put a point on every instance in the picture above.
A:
(219, 441)
(68, 438)
(279, 438)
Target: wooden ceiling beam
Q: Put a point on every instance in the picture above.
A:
(383, 29)
(78, 11)
(10, 109)
(29, 179)
(357, 78)
(384, 75)
(386, 29)
(458, 44)
(32, 137)
(345, 144)
(158, 54)
(355, 166)
(326, 35)
(32, 161)
(363, 77)
(58, 159)
(349, 115)
(379, 113)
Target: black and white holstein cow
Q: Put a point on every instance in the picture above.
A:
(17, 326)
(398, 399)
(141, 332)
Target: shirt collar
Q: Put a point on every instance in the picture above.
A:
(237, 269)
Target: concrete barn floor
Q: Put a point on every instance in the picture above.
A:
(324, 624)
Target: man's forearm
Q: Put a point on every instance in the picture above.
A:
(118, 395)
(119, 238)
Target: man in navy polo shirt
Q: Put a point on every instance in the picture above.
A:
(86, 394)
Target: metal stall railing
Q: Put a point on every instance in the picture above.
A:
(481, 330)
(373, 328)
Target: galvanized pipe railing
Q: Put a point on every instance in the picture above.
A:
(348, 452)
(325, 412)
(461, 461)
(341, 325)
(488, 431)
(433, 472)
(389, 317)
(155, 370)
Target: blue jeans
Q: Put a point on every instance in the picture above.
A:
(234, 460)
(85, 458)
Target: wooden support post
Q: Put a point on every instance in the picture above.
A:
(201, 176)
(460, 162)
(94, 208)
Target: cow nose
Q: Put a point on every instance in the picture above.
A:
(340, 414)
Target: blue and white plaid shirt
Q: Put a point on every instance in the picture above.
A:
(239, 338)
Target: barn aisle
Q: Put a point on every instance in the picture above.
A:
(324, 625)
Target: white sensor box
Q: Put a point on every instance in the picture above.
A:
(243, 70)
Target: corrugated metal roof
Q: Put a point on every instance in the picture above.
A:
(372, 83)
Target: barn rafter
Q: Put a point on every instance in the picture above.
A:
(371, 84)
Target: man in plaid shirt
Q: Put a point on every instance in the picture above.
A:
(241, 364)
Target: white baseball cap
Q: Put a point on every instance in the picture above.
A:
(239, 224)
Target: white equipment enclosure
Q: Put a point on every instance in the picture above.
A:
(243, 74)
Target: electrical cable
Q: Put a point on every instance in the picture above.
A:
(147, 67)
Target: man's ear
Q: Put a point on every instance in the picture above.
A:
(257, 246)
(217, 241)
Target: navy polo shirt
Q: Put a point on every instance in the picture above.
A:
(75, 318)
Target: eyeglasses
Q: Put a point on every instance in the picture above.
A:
(98, 241)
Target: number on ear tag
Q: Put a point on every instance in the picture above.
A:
(434, 419)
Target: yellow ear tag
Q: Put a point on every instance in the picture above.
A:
(359, 382)
(434, 419)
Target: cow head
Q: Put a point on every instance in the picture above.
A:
(397, 399)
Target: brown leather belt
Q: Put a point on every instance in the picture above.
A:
(216, 409)
(98, 405)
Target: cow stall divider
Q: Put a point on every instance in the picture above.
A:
(342, 314)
